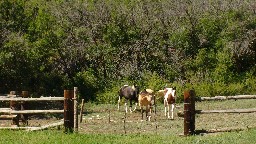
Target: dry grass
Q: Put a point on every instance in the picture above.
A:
(96, 119)
(237, 120)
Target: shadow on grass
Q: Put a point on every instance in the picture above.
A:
(221, 130)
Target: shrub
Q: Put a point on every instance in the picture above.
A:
(249, 83)
(204, 89)
(153, 81)
(108, 95)
(87, 84)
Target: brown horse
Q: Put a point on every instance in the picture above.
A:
(146, 98)
(129, 93)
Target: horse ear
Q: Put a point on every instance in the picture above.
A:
(133, 87)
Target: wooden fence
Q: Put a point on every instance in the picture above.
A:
(19, 104)
(190, 111)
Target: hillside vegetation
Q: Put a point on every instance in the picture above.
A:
(97, 46)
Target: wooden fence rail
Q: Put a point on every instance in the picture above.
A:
(189, 108)
(251, 110)
(227, 97)
(14, 112)
(30, 111)
(35, 128)
(32, 99)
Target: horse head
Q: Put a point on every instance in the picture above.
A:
(136, 90)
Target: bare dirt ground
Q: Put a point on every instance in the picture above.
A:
(105, 119)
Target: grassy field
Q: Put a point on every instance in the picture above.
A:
(104, 124)
(54, 136)
(97, 119)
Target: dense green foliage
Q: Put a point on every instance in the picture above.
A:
(46, 137)
(48, 46)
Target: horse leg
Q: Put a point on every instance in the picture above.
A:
(172, 110)
(165, 108)
(141, 110)
(148, 111)
(126, 106)
(118, 105)
(130, 106)
(168, 110)
(135, 106)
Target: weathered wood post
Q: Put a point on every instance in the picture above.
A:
(81, 111)
(189, 112)
(24, 106)
(68, 110)
(192, 111)
(14, 106)
(186, 113)
(75, 110)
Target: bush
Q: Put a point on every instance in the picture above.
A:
(249, 83)
(108, 95)
(219, 89)
(204, 89)
(87, 84)
(151, 80)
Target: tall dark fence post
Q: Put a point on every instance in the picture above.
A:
(24, 106)
(68, 110)
(186, 113)
(75, 110)
(189, 112)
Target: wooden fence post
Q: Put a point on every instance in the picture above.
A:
(189, 112)
(186, 113)
(24, 106)
(68, 110)
(14, 106)
(75, 110)
(81, 111)
(192, 111)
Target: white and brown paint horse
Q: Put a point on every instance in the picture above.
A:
(146, 98)
(129, 93)
(169, 101)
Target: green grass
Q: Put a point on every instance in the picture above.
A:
(54, 136)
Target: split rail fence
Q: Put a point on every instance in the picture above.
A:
(190, 111)
(19, 105)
